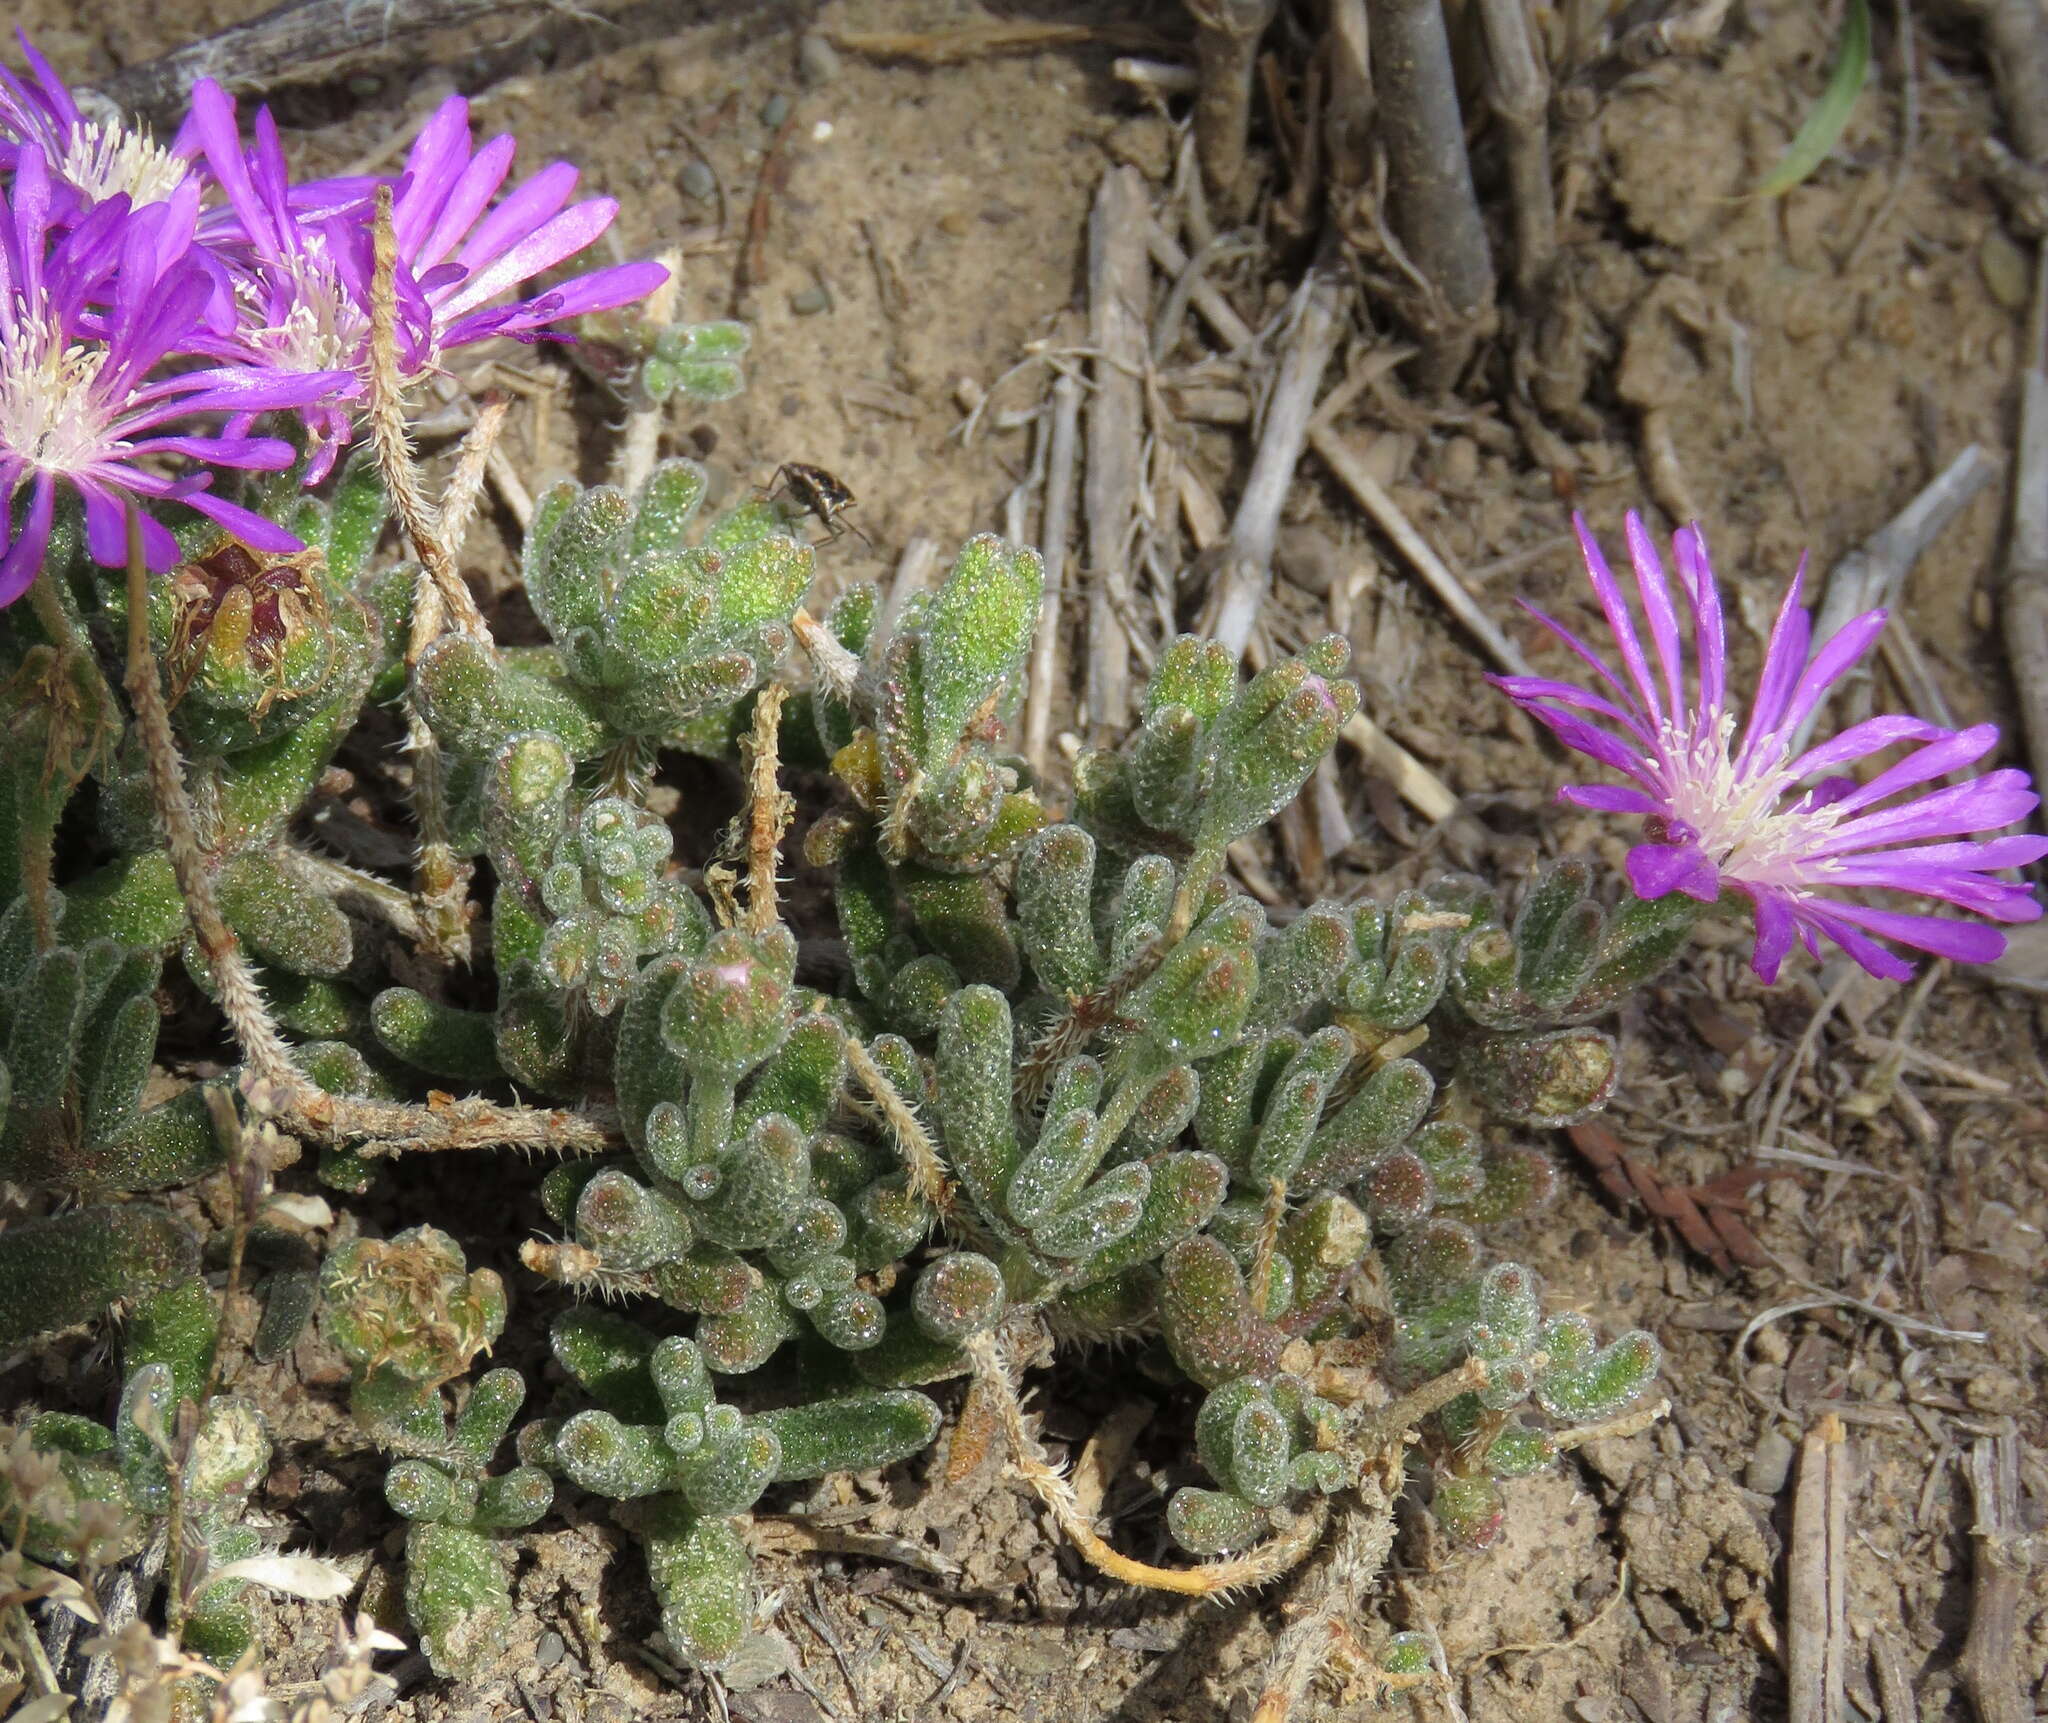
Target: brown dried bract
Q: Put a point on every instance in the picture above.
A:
(1710, 1219)
(232, 600)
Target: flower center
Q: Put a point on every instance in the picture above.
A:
(105, 159)
(51, 416)
(321, 328)
(1746, 824)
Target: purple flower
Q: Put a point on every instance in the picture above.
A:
(95, 159)
(1789, 832)
(302, 257)
(86, 314)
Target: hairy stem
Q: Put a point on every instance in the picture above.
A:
(1256, 1567)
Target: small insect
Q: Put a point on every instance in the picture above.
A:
(815, 491)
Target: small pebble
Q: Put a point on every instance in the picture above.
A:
(1458, 465)
(810, 302)
(699, 181)
(817, 61)
(2006, 269)
(550, 1650)
(775, 110)
(1770, 1464)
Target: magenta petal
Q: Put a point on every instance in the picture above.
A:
(1831, 663)
(531, 206)
(467, 200)
(603, 289)
(1656, 870)
(251, 528)
(1775, 926)
(1584, 653)
(1609, 799)
(1964, 941)
(564, 236)
(1696, 576)
(1784, 659)
(1528, 691)
(1860, 741)
(1614, 606)
(1948, 752)
(1658, 610)
(24, 558)
(1595, 743)
(1981, 805)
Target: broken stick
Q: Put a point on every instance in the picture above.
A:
(1119, 283)
(1816, 1579)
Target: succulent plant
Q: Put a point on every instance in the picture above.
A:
(409, 1315)
(1067, 1083)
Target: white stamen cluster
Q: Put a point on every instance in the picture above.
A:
(50, 414)
(106, 158)
(1751, 822)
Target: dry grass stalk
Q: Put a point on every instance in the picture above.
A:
(472, 465)
(1990, 1667)
(1356, 477)
(2025, 607)
(1330, 1598)
(1246, 575)
(1227, 36)
(1432, 203)
(1816, 1578)
(1873, 574)
(385, 410)
(1057, 525)
(640, 446)
(1118, 288)
(1518, 91)
(241, 999)
(440, 878)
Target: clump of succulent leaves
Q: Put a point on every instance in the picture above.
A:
(1057, 1075)
(164, 1486)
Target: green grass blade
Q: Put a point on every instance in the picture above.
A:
(1824, 125)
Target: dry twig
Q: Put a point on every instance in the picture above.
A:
(1434, 209)
(966, 42)
(1518, 91)
(2025, 605)
(1245, 576)
(301, 42)
(1990, 1667)
(1816, 1578)
(1227, 36)
(1371, 495)
(1872, 575)
(1054, 529)
(1118, 286)
(1257, 1566)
